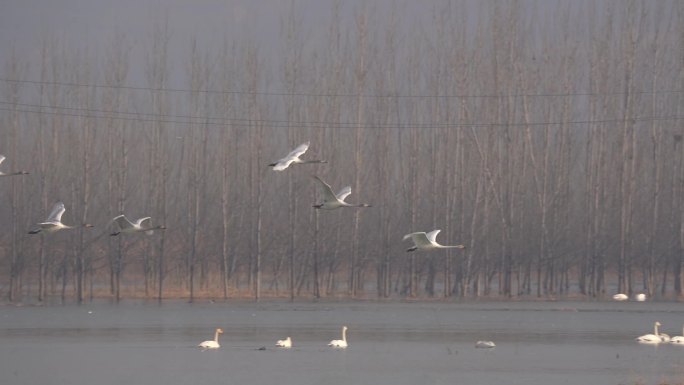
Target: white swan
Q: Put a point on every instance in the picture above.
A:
(126, 226)
(212, 344)
(641, 297)
(333, 201)
(427, 241)
(340, 343)
(620, 297)
(678, 340)
(484, 344)
(293, 157)
(54, 221)
(2, 159)
(286, 343)
(654, 338)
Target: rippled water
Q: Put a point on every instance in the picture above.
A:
(389, 343)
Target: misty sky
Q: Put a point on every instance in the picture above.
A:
(90, 24)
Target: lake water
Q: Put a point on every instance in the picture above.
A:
(389, 343)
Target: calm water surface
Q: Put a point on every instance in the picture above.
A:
(538, 343)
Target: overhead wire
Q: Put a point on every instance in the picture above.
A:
(316, 94)
(242, 122)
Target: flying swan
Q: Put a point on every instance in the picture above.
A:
(54, 221)
(340, 343)
(212, 344)
(423, 241)
(293, 157)
(2, 159)
(332, 201)
(286, 343)
(126, 226)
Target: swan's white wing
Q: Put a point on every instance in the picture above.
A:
(344, 193)
(123, 222)
(2, 158)
(297, 152)
(326, 190)
(420, 239)
(140, 221)
(409, 236)
(283, 164)
(432, 235)
(56, 213)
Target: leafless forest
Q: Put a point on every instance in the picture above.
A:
(549, 142)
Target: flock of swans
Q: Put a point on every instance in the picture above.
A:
(338, 344)
(54, 223)
(286, 343)
(331, 200)
(657, 338)
(641, 297)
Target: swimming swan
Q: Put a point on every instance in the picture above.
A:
(212, 344)
(293, 157)
(620, 297)
(333, 201)
(678, 340)
(641, 297)
(54, 221)
(286, 343)
(484, 344)
(427, 241)
(126, 226)
(340, 343)
(2, 159)
(654, 338)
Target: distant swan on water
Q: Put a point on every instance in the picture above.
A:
(2, 159)
(654, 338)
(128, 227)
(212, 344)
(286, 343)
(293, 158)
(427, 241)
(333, 201)
(54, 221)
(620, 297)
(340, 343)
(641, 297)
(484, 344)
(678, 340)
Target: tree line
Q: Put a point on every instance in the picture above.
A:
(549, 144)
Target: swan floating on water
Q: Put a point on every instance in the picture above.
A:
(340, 343)
(654, 338)
(484, 344)
(128, 227)
(2, 159)
(293, 157)
(641, 297)
(620, 297)
(678, 340)
(332, 201)
(212, 344)
(286, 343)
(427, 241)
(54, 221)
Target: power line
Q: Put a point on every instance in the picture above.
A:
(313, 94)
(168, 119)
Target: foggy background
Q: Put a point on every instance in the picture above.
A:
(544, 136)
